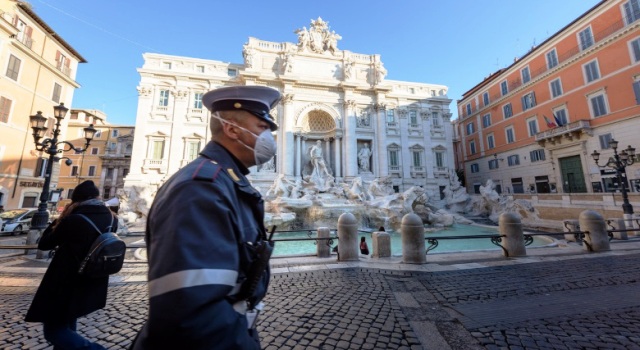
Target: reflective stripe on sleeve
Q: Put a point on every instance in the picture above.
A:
(191, 278)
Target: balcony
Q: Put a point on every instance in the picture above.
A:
(25, 39)
(160, 165)
(570, 132)
(394, 170)
(418, 171)
(60, 65)
(439, 171)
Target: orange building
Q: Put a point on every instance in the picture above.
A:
(532, 126)
(107, 160)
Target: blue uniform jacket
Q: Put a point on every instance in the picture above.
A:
(198, 228)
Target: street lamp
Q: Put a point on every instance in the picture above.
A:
(619, 162)
(50, 146)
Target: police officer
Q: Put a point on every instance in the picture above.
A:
(202, 230)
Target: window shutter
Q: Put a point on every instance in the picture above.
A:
(28, 31)
(57, 57)
(15, 21)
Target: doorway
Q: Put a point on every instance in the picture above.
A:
(572, 175)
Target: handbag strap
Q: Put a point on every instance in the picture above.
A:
(94, 225)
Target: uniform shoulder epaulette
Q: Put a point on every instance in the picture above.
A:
(207, 170)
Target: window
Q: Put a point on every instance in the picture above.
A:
(528, 101)
(74, 170)
(470, 128)
(504, 88)
(560, 116)
(164, 98)
(125, 172)
(526, 76)
(57, 89)
(472, 147)
(193, 149)
(636, 91)
(635, 50)
(556, 88)
(417, 158)
(552, 59)
(94, 150)
(200, 69)
(92, 170)
(391, 118)
(5, 109)
(41, 168)
(157, 149)
(532, 124)
(591, 71)
(435, 120)
(604, 141)
(485, 98)
(394, 160)
(631, 11)
(493, 164)
(98, 134)
(486, 120)
(166, 65)
(475, 168)
(585, 38)
(490, 141)
(413, 118)
(30, 201)
(511, 137)
(468, 109)
(197, 100)
(62, 63)
(516, 183)
(440, 159)
(13, 67)
(537, 155)
(513, 160)
(106, 192)
(507, 111)
(598, 104)
(109, 172)
(112, 146)
(232, 72)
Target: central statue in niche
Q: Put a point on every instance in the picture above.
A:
(317, 172)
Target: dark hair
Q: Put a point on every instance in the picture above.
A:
(362, 239)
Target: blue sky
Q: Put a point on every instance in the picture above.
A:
(454, 43)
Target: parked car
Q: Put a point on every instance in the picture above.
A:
(17, 220)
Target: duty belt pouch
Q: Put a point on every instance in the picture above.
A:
(262, 251)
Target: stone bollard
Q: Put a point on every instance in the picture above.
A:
(596, 240)
(348, 248)
(511, 227)
(323, 249)
(618, 224)
(413, 244)
(381, 245)
(570, 226)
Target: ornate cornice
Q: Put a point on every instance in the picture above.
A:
(144, 91)
(380, 106)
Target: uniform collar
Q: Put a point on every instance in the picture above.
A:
(228, 161)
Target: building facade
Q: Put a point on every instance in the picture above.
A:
(107, 160)
(38, 72)
(532, 126)
(333, 98)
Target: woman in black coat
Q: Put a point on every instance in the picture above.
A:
(64, 295)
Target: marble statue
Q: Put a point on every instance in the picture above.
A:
(303, 38)
(317, 172)
(348, 67)
(318, 38)
(455, 195)
(247, 53)
(363, 158)
(379, 73)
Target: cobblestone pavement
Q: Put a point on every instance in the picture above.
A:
(577, 303)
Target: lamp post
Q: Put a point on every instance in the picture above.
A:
(50, 146)
(619, 162)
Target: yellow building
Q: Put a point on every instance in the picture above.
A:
(106, 162)
(37, 72)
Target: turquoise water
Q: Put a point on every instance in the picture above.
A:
(309, 248)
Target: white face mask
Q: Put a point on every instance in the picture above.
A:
(265, 147)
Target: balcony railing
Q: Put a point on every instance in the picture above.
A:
(25, 39)
(63, 68)
(569, 131)
(156, 164)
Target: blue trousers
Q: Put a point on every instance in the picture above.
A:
(63, 336)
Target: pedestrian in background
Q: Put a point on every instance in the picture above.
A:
(364, 248)
(204, 231)
(64, 295)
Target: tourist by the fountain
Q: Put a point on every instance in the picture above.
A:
(206, 235)
(364, 248)
(64, 294)
(363, 158)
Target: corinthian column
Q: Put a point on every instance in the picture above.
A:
(350, 159)
(381, 141)
(288, 144)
